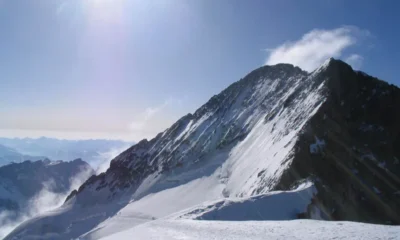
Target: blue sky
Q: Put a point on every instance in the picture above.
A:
(129, 68)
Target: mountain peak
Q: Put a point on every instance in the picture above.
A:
(271, 130)
(331, 62)
(290, 67)
(325, 65)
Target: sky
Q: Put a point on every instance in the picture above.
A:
(128, 69)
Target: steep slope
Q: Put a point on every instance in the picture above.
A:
(252, 138)
(351, 147)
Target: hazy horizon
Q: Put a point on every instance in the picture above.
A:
(62, 135)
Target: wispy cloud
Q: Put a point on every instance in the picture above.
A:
(102, 163)
(355, 61)
(42, 202)
(154, 119)
(315, 47)
(148, 114)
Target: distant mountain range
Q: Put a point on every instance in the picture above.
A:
(92, 151)
(9, 155)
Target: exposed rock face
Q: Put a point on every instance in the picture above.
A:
(351, 147)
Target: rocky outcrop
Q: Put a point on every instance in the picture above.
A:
(351, 147)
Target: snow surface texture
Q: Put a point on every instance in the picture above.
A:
(237, 145)
(129, 222)
(282, 205)
(256, 230)
(272, 206)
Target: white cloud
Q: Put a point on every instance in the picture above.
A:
(355, 61)
(315, 47)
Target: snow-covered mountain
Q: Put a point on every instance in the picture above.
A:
(334, 130)
(25, 187)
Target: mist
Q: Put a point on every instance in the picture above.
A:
(46, 200)
(102, 163)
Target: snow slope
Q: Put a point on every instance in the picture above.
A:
(275, 205)
(168, 204)
(256, 230)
